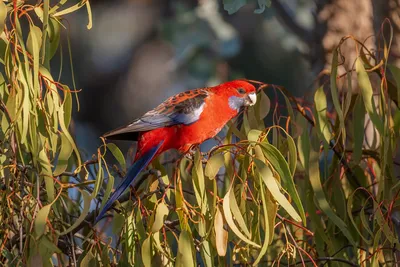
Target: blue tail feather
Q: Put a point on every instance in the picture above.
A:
(133, 172)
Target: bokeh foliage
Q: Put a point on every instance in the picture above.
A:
(305, 190)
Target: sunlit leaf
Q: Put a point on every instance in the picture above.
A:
(267, 234)
(321, 111)
(367, 94)
(282, 168)
(334, 90)
(47, 174)
(184, 257)
(63, 156)
(161, 211)
(117, 155)
(3, 15)
(230, 221)
(273, 187)
(221, 235)
(147, 252)
(40, 220)
(358, 130)
(214, 163)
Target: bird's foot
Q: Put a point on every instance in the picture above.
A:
(189, 154)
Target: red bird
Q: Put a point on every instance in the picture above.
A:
(180, 122)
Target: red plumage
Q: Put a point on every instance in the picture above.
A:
(180, 122)
(215, 115)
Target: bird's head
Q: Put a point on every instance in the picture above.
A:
(240, 93)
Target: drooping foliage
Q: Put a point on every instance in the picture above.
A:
(304, 188)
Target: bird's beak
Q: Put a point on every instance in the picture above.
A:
(251, 99)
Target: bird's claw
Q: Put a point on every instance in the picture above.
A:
(190, 152)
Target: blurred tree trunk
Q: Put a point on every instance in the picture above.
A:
(388, 9)
(337, 18)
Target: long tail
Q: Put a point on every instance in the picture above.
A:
(133, 172)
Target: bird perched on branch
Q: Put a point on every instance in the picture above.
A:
(180, 122)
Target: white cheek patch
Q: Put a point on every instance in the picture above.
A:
(235, 102)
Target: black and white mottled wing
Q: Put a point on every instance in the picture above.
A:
(184, 108)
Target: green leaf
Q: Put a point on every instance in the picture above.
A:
(118, 223)
(67, 105)
(86, 206)
(314, 174)
(367, 93)
(262, 4)
(334, 90)
(267, 234)
(161, 211)
(358, 129)
(292, 155)
(45, 171)
(233, 5)
(99, 180)
(199, 182)
(117, 155)
(89, 11)
(147, 252)
(3, 16)
(214, 163)
(264, 105)
(45, 19)
(70, 9)
(40, 220)
(321, 110)
(34, 43)
(278, 162)
(253, 135)
(227, 206)
(184, 258)
(63, 156)
(36, 259)
(88, 260)
(50, 245)
(391, 237)
(272, 185)
(396, 74)
(350, 214)
(221, 235)
(54, 32)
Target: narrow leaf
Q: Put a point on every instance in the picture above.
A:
(86, 206)
(40, 220)
(270, 182)
(367, 93)
(231, 223)
(184, 258)
(221, 235)
(117, 155)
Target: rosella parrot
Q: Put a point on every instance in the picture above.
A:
(180, 122)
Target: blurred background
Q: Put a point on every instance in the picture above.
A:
(139, 52)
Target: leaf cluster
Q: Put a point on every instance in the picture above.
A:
(307, 190)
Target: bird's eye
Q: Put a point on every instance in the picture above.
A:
(241, 91)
